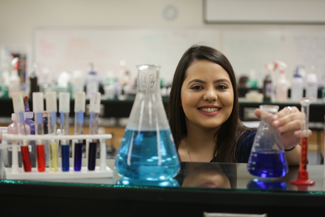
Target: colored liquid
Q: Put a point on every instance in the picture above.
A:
(138, 156)
(266, 164)
(53, 157)
(65, 154)
(25, 158)
(303, 155)
(40, 158)
(92, 155)
(267, 184)
(77, 156)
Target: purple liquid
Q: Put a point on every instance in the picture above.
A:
(77, 156)
(92, 155)
(268, 164)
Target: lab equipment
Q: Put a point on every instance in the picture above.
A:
(93, 129)
(303, 173)
(282, 83)
(19, 110)
(38, 107)
(51, 108)
(14, 80)
(267, 158)
(79, 109)
(64, 109)
(92, 81)
(297, 85)
(147, 151)
(311, 84)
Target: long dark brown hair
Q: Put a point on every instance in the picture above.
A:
(230, 131)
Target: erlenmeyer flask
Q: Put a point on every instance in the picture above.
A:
(147, 150)
(267, 158)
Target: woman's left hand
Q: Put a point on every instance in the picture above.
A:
(288, 122)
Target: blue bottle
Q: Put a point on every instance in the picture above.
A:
(147, 151)
(267, 158)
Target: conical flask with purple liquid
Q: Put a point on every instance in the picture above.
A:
(147, 150)
(267, 158)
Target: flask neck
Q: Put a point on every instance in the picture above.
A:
(148, 79)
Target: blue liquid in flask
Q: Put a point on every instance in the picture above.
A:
(268, 164)
(138, 156)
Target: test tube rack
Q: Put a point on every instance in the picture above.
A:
(16, 173)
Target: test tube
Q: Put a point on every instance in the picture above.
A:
(51, 108)
(64, 108)
(79, 109)
(93, 129)
(38, 107)
(19, 110)
(303, 173)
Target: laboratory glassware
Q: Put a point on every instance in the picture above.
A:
(38, 107)
(303, 173)
(267, 158)
(147, 151)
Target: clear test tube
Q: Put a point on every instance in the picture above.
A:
(51, 107)
(38, 108)
(79, 109)
(19, 111)
(64, 109)
(93, 129)
(303, 173)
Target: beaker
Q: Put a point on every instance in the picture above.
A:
(267, 158)
(147, 150)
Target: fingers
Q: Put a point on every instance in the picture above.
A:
(285, 120)
(257, 112)
(299, 132)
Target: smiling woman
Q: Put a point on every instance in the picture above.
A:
(203, 112)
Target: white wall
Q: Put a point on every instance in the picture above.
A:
(20, 18)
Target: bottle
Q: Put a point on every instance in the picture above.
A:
(311, 84)
(297, 86)
(33, 79)
(267, 88)
(147, 151)
(12, 129)
(78, 82)
(267, 158)
(92, 82)
(109, 86)
(14, 80)
(282, 84)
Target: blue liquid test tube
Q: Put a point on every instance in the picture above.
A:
(79, 109)
(64, 109)
(93, 129)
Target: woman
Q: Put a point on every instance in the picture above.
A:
(204, 112)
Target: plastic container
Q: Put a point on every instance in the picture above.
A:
(297, 86)
(311, 85)
(14, 80)
(267, 88)
(92, 82)
(281, 94)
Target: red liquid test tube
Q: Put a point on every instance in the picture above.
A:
(40, 157)
(25, 158)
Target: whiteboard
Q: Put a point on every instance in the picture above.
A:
(265, 11)
(249, 49)
(74, 48)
